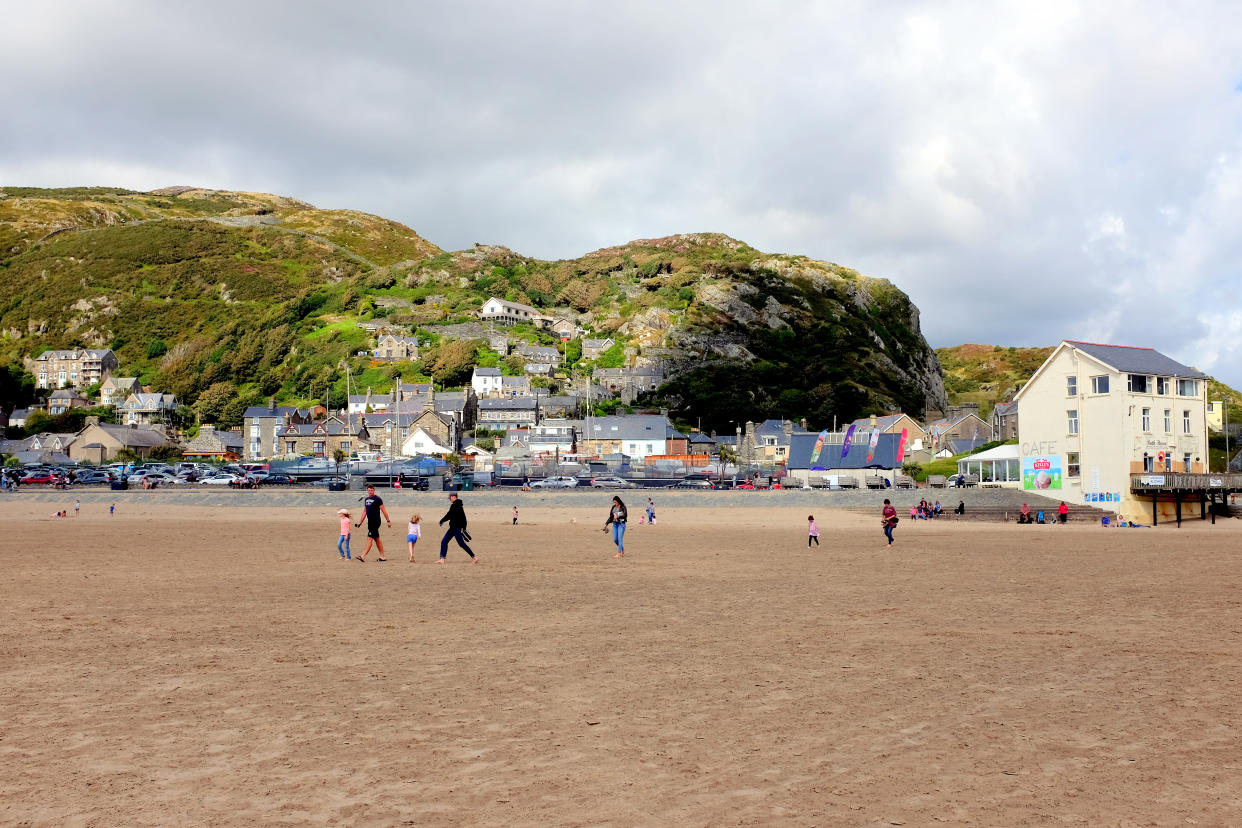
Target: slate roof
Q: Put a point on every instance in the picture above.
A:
(507, 403)
(127, 436)
(887, 421)
(629, 427)
(265, 411)
(1005, 409)
(1131, 360)
(486, 372)
(830, 458)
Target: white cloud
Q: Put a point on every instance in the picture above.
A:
(1026, 172)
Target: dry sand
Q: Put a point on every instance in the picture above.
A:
(223, 666)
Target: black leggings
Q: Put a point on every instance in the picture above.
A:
(810, 538)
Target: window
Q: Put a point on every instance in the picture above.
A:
(1162, 385)
(1071, 386)
(1186, 421)
(1099, 385)
(1168, 461)
(1072, 466)
(1186, 462)
(1149, 463)
(1146, 419)
(1187, 388)
(1168, 421)
(1138, 384)
(1073, 421)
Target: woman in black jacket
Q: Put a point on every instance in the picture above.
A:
(617, 515)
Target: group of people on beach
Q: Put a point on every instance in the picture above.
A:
(373, 509)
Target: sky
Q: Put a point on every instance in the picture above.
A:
(1025, 172)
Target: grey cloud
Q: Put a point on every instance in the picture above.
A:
(1027, 172)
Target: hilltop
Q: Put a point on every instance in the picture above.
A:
(233, 297)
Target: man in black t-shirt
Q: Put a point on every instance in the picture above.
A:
(373, 507)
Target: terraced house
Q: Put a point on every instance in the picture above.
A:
(73, 368)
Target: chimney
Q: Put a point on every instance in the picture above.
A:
(271, 403)
(787, 426)
(92, 420)
(803, 423)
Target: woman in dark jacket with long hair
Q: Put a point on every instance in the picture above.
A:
(617, 516)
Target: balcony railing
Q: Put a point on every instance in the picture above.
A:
(1180, 481)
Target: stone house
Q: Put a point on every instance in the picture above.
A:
(260, 424)
(73, 368)
(1005, 421)
(115, 390)
(63, 399)
(508, 412)
(396, 348)
(146, 408)
(595, 348)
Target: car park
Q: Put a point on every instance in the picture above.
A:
(612, 483)
(559, 482)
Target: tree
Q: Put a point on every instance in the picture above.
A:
(339, 455)
(614, 357)
(17, 387)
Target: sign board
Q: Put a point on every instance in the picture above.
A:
(1041, 472)
(1152, 480)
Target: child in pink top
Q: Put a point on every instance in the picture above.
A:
(414, 532)
(342, 545)
(812, 531)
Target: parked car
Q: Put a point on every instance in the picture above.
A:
(222, 479)
(559, 482)
(39, 478)
(692, 483)
(277, 479)
(328, 481)
(612, 483)
(745, 485)
(93, 476)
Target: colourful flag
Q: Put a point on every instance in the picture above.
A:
(819, 446)
(875, 439)
(849, 436)
(901, 445)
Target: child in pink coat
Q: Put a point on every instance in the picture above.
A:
(812, 531)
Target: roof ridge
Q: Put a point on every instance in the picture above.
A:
(1106, 345)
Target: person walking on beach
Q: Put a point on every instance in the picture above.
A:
(617, 516)
(77, 507)
(515, 516)
(413, 532)
(455, 517)
(342, 545)
(650, 511)
(1063, 512)
(112, 510)
(889, 519)
(373, 507)
(812, 531)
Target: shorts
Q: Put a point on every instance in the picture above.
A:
(373, 530)
(411, 538)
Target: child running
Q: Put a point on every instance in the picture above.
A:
(812, 531)
(414, 532)
(515, 516)
(342, 545)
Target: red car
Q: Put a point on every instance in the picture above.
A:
(39, 478)
(745, 486)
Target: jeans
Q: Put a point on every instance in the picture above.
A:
(342, 546)
(888, 533)
(618, 536)
(449, 535)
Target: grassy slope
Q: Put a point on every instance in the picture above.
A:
(251, 310)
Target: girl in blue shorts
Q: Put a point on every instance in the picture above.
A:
(413, 533)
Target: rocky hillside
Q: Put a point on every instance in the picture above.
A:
(233, 297)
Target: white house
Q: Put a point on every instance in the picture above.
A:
(1092, 415)
(510, 313)
(420, 442)
(486, 382)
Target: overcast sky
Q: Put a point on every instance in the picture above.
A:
(1026, 172)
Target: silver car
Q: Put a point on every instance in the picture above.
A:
(555, 483)
(612, 483)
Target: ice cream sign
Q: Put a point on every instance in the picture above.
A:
(1041, 472)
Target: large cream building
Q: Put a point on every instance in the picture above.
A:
(1093, 414)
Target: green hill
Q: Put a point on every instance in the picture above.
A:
(228, 298)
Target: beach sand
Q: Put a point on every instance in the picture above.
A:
(223, 666)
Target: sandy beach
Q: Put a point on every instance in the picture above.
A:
(220, 666)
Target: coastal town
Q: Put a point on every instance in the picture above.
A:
(1116, 427)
